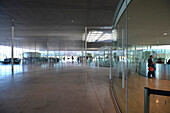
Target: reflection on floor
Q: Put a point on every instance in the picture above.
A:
(5, 69)
(136, 84)
(63, 88)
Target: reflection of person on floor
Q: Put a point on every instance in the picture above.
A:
(151, 67)
(72, 59)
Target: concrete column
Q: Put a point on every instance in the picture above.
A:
(12, 47)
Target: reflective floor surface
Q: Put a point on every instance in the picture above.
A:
(136, 84)
(5, 69)
(59, 88)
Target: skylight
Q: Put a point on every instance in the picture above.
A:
(100, 36)
(93, 36)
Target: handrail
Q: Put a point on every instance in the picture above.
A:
(147, 92)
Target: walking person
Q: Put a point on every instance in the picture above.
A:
(72, 59)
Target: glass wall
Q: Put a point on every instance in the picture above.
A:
(142, 30)
(29, 58)
(104, 58)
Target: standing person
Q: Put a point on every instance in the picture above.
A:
(151, 67)
(72, 59)
(78, 59)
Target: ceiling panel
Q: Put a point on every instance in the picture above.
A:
(61, 23)
(148, 20)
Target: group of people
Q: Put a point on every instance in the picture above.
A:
(151, 66)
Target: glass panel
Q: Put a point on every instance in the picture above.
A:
(119, 63)
(148, 34)
(105, 56)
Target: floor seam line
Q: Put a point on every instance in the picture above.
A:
(95, 92)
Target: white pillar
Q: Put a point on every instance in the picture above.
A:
(12, 47)
(127, 72)
(110, 63)
(86, 44)
(123, 54)
(47, 51)
(22, 55)
(82, 52)
(35, 53)
(104, 56)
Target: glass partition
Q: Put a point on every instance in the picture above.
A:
(104, 58)
(143, 30)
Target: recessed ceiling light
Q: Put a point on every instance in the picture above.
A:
(165, 34)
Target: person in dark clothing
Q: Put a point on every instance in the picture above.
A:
(168, 61)
(72, 59)
(160, 61)
(78, 59)
(151, 65)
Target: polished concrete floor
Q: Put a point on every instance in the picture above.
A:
(56, 88)
(5, 69)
